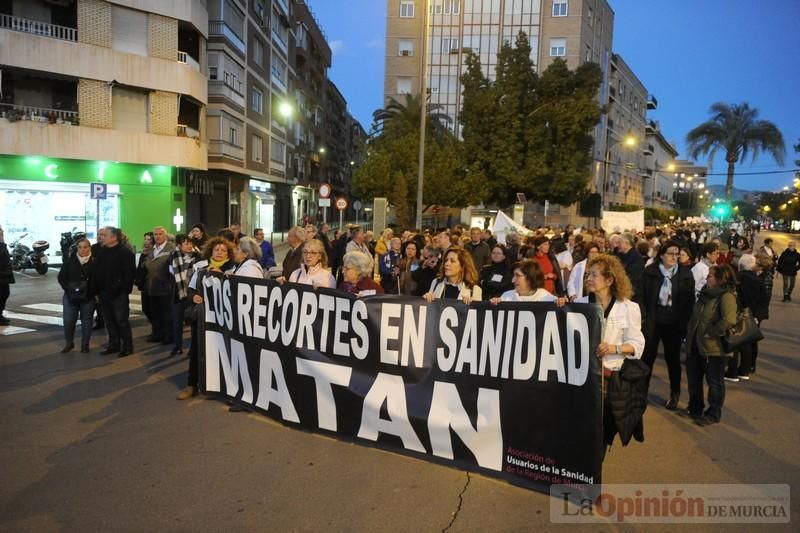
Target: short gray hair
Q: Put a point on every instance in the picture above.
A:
(250, 248)
(629, 238)
(747, 262)
(358, 261)
(298, 232)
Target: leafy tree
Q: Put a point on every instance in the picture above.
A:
(402, 210)
(736, 130)
(530, 133)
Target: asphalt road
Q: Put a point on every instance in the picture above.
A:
(94, 443)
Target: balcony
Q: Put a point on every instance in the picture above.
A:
(13, 113)
(220, 148)
(648, 149)
(652, 127)
(652, 103)
(612, 92)
(218, 28)
(220, 88)
(35, 27)
(186, 59)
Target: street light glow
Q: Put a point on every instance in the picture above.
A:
(322, 150)
(671, 167)
(285, 109)
(630, 140)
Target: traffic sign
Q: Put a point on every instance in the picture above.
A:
(98, 191)
(324, 202)
(325, 190)
(357, 205)
(341, 204)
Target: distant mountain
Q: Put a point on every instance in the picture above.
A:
(738, 194)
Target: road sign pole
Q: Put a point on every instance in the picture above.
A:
(97, 231)
(341, 219)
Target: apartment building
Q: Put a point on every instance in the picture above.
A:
(627, 147)
(577, 31)
(658, 186)
(690, 186)
(112, 92)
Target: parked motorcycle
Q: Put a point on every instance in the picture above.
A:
(69, 243)
(23, 257)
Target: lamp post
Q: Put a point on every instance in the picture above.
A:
(629, 141)
(423, 98)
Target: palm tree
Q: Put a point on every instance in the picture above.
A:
(737, 130)
(404, 116)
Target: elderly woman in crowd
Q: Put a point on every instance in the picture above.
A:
(75, 278)
(713, 315)
(752, 296)
(357, 275)
(314, 270)
(496, 277)
(217, 256)
(246, 255)
(181, 267)
(549, 264)
(528, 280)
(577, 276)
(457, 279)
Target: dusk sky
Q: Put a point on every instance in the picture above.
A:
(688, 53)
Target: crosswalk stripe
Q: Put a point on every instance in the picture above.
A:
(14, 330)
(41, 319)
(46, 307)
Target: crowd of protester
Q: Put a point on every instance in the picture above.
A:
(680, 288)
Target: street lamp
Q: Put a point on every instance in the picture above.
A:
(629, 141)
(285, 110)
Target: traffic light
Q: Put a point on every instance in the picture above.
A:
(722, 210)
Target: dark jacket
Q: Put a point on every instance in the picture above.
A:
(159, 281)
(496, 279)
(114, 271)
(634, 268)
(713, 315)
(752, 294)
(682, 298)
(627, 396)
(424, 277)
(789, 262)
(6, 273)
(73, 271)
(292, 261)
(481, 254)
(386, 265)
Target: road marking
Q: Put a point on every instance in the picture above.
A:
(46, 307)
(13, 330)
(41, 319)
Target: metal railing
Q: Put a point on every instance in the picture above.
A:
(43, 29)
(218, 27)
(36, 113)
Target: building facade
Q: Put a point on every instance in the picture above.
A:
(658, 187)
(690, 186)
(94, 91)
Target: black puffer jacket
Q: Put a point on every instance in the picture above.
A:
(789, 262)
(752, 294)
(627, 396)
(74, 271)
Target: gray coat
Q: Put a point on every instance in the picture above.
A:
(159, 281)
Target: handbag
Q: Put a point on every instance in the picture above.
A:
(746, 331)
(78, 291)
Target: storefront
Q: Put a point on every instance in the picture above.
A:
(44, 197)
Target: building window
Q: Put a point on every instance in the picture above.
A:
(451, 7)
(258, 52)
(405, 47)
(403, 85)
(259, 9)
(407, 9)
(233, 136)
(590, 17)
(278, 152)
(278, 68)
(256, 100)
(257, 150)
(560, 8)
(558, 47)
(588, 53)
(449, 45)
(212, 73)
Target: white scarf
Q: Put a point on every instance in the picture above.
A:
(665, 294)
(83, 260)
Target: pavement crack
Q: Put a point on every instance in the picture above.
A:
(460, 503)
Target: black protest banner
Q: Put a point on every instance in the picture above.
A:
(511, 391)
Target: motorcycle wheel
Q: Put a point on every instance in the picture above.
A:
(41, 268)
(16, 266)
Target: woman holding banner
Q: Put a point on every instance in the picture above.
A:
(217, 257)
(314, 270)
(608, 285)
(357, 275)
(528, 281)
(457, 280)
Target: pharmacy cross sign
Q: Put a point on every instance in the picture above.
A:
(178, 219)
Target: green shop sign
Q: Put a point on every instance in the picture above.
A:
(34, 168)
